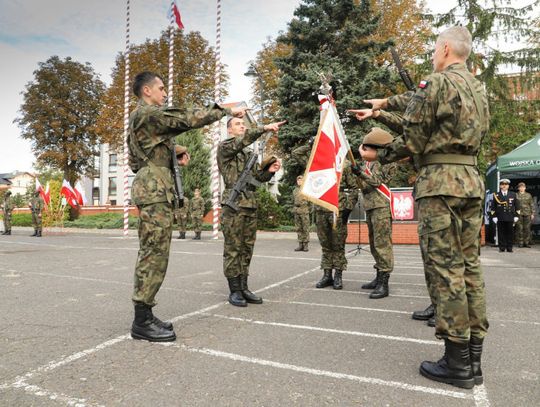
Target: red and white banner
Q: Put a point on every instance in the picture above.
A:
(403, 203)
(45, 194)
(79, 193)
(325, 166)
(383, 189)
(175, 11)
(68, 192)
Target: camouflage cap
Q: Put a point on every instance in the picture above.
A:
(267, 162)
(377, 137)
(180, 150)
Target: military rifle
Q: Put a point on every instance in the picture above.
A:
(402, 71)
(178, 197)
(244, 179)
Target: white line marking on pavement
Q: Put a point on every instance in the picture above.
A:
(315, 304)
(480, 396)
(393, 282)
(318, 372)
(60, 397)
(319, 290)
(338, 331)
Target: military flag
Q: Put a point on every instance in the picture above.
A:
(68, 193)
(174, 11)
(79, 193)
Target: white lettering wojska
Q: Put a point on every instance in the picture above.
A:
(524, 163)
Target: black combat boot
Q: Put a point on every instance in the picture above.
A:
(373, 284)
(424, 315)
(300, 247)
(35, 233)
(145, 326)
(326, 279)
(197, 236)
(305, 247)
(431, 322)
(8, 233)
(475, 351)
(235, 297)
(38, 233)
(453, 368)
(382, 289)
(248, 295)
(338, 280)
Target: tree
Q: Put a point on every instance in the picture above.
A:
(58, 115)
(194, 64)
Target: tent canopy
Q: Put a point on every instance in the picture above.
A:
(526, 157)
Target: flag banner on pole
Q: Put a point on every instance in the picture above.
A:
(325, 165)
(79, 193)
(44, 193)
(403, 203)
(384, 190)
(47, 194)
(175, 11)
(68, 192)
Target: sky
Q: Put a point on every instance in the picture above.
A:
(31, 31)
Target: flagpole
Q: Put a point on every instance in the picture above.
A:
(217, 127)
(171, 56)
(126, 126)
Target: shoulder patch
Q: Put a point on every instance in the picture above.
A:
(423, 84)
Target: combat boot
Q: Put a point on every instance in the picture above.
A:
(8, 233)
(424, 315)
(453, 368)
(235, 297)
(382, 289)
(181, 235)
(300, 247)
(305, 247)
(39, 233)
(431, 322)
(248, 295)
(146, 326)
(35, 233)
(326, 279)
(197, 236)
(475, 351)
(373, 284)
(338, 280)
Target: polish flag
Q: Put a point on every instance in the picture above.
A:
(68, 192)
(47, 194)
(39, 188)
(79, 193)
(174, 11)
(325, 166)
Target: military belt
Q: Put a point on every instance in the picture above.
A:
(461, 159)
(165, 163)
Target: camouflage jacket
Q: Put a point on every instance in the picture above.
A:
(301, 204)
(37, 204)
(526, 204)
(441, 118)
(8, 205)
(197, 207)
(232, 157)
(153, 129)
(184, 210)
(380, 174)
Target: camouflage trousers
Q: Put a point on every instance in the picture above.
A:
(301, 222)
(379, 222)
(449, 231)
(7, 221)
(181, 221)
(196, 220)
(332, 240)
(36, 221)
(240, 231)
(155, 231)
(523, 230)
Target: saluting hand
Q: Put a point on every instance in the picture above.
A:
(363, 114)
(239, 111)
(274, 127)
(275, 167)
(367, 153)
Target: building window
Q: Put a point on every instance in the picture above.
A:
(112, 186)
(112, 162)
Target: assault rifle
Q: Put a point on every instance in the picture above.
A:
(244, 179)
(178, 197)
(402, 71)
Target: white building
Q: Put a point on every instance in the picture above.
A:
(18, 181)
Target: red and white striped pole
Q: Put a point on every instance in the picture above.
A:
(126, 126)
(217, 127)
(171, 57)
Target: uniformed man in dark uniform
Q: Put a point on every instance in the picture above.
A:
(504, 212)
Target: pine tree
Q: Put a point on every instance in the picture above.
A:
(329, 36)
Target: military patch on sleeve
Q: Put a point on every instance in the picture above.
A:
(423, 84)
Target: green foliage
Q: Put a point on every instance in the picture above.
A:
(54, 214)
(19, 201)
(286, 203)
(58, 114)
(102, 221)
(21, 219)
(269, 213)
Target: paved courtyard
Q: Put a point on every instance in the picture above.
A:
(66, 312)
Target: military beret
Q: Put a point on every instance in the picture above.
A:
(180, 150)
(377, 137)
(504, 181)
(521, 184)
(267, 162)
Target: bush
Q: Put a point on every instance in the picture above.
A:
(270, 215)
(21, 219)
(102, 221)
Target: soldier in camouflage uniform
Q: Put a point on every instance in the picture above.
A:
(197, 213)
(152, 129)
(36, 206)
(240, 227)
(442, 129)
(378, 215)
(525, 217)
(7, 209)
(301, 217)
(181, 215)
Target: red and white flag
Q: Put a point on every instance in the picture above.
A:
(47, 194)
(79, 193)
(44, 193)
(174, 12)
(325, 166)
(68, 192)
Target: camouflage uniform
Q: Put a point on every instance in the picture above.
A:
(7, 209)
(332, 239)
(181, 216)
(37, 208)
(301, 216)
(239, 228)
(378, 215)
(152, 130)
(523, 225)
(442, 129)
(197, 213)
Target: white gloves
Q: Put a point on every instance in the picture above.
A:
(516, 219)
(495, 220)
